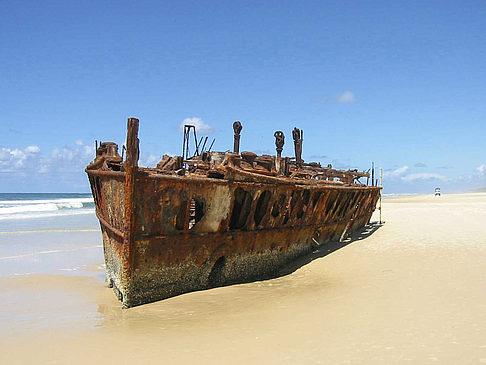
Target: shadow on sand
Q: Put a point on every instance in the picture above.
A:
(320, 251)
(327, 248)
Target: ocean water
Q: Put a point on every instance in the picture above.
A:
(43, 205)
(48, 233)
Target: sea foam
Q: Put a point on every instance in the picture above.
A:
(38, 208)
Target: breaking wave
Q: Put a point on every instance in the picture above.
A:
(38, 208)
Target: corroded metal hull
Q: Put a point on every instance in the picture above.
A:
(164, 235)
(166, 258)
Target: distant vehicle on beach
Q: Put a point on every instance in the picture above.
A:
(437, 192)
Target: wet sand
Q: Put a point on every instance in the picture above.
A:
(413, 291)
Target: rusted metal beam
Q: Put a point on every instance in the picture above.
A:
(237, 127)
(298, 136)
(279, 142)
(131, 167)
(107, 225)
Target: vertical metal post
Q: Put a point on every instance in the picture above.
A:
(131, 168)
(184, 138)
(279, 142)
(372, 174)
(185, 142)
(381, 185)
(209, 149)
(196, 153)
(237, 127)
(204, 144)
(298, 136)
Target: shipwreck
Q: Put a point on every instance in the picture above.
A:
(208, 219)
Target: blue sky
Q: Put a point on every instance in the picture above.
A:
(398, 83)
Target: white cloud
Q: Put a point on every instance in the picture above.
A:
(201, 127)
(89, 150)
(71, 159)
(32, 149)
(481, 169)
(30, 160)
(148, 160)
(396, 172)
(15, 159)
(4, 154)
(17, 154)
(79, 142)
(424, 176)
(346, 97)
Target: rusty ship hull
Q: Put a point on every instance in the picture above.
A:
(166, 234)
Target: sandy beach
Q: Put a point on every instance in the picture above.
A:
(410, 291)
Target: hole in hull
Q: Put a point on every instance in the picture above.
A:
(304, 201)
(277, 206)
(262, 206)
(241, 208)
(195, 208)
(315, 199)
(197, 212)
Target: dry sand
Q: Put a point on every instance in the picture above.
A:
(413, 291)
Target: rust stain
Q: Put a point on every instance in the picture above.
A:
(216, 218)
